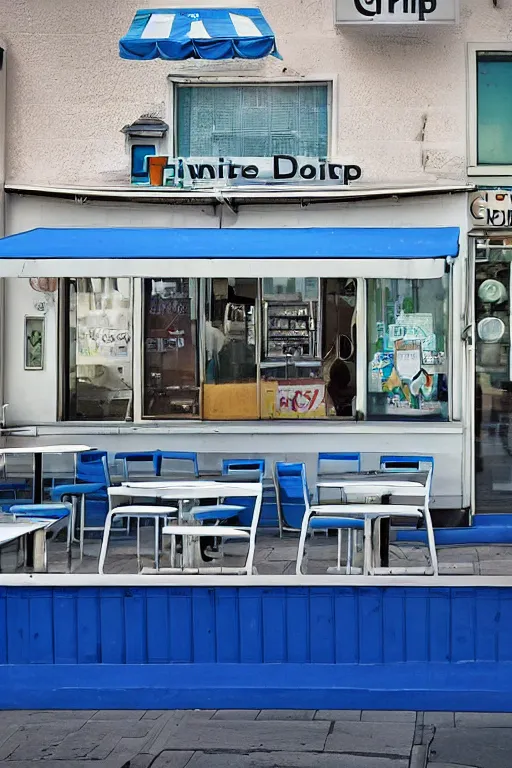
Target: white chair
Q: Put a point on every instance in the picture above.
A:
(317, 522)
(417, 506)
(322, 524)
(139, 512)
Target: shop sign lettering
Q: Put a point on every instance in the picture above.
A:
(491, 208)
(221, 171)
(396, 11)
(295, 400)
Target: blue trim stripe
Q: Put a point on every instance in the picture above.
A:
(314, 243)
(198, 33)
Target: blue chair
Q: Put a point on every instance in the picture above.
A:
(407, 463)
(336, 463)
(244, 466)
(292, 494)
(92, 481)
(171, 458)
(143, 457)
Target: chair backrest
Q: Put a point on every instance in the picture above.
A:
(92, 467)
(129, 459)
(407, 463)
(334, 463)
(292, 493)
(245, 466)
(169, 463)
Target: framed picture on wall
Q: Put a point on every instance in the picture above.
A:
(34, 343)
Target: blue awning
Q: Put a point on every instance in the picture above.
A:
(146, 252)
(233, 243)
(198, 33)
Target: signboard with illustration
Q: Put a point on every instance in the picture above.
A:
(396, 11)
(204, 172)
(293, 400)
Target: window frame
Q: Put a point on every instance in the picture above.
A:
(64, 355)
(473, 168)
(330, 81)
(449, 349)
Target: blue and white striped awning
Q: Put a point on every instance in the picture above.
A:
(202, 33)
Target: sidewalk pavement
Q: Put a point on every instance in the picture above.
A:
(253, 739)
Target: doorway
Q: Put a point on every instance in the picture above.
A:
(493, 376)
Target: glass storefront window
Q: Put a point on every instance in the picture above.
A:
(250, 348)
(407, 348)
(99, 385)
(230, 379)
(171, 385)
(308, 348)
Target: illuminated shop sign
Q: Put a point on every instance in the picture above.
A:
(396, 11)
(203, 172)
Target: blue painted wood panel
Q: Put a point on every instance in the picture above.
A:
(329, 642)
(311, 625)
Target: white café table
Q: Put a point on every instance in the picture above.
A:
(38, 451)
(35, 533)
(180, 491)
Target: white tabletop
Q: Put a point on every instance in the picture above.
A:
(47, 449)
(11, 531)
(222, 531)
(367, 510)
(191, 490)
(369, 482)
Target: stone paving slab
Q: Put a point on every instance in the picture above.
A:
(439, 719)
(483, 719)
(478, 747)
(286, 714)
(372, 738)
(114, 762)
(230, 736)
(289, 760)
(393, 716)
(349, 715)
(236, 714)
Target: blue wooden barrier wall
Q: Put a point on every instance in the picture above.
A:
(254, 647)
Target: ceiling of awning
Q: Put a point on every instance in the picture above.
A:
(198, 33)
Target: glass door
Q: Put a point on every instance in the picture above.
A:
(493, 380)
(99, 334)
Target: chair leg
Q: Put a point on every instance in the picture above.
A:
(138, 543)
(302, 543)
(104, 542)
(338, 562)
(350, 544)
(82, 525)
(367, 546)
(157, 542)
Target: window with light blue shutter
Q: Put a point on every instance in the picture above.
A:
(494, 108)
(252, 120)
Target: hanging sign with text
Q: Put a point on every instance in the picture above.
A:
(396, 11)
(217, 172)
(491, 208)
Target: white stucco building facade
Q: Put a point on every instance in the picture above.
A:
(397, 106)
